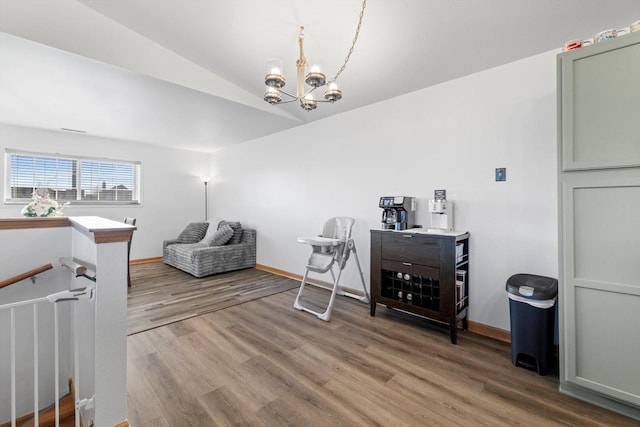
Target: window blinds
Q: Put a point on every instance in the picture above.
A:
(72, 179)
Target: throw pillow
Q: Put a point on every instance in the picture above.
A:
(194, 232)
(209, 234)
(237, 231)
(218, 237)
(214, 222)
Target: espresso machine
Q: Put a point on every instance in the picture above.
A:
(398, 212)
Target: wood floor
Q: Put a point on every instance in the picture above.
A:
(162, 294)
(262, 363)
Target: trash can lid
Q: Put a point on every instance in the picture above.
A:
(532, 287)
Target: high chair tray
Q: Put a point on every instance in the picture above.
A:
(319, 241)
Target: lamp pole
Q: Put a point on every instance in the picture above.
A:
(205, 179)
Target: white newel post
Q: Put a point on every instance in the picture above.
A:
(111, 334)
(107, 241)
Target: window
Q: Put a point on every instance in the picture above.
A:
(71, 179)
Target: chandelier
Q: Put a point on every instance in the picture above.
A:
(309, 81)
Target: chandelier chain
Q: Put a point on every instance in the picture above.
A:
(353, 43)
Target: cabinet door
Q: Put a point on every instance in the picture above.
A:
(599, 93)
(601, 282)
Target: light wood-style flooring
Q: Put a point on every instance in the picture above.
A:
(262, 363)
(163, 294)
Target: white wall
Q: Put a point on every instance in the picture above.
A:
(173, 194)
(451, 136)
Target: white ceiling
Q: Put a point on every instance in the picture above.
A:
(190, 73)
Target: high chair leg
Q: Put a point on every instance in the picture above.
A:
(296, 303)
(326, 315)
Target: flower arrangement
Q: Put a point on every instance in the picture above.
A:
(42, 205)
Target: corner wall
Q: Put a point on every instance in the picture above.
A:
(451, 136)
(172, 191)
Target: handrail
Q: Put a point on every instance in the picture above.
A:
(25, 275)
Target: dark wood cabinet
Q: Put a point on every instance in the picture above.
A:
(422, 273)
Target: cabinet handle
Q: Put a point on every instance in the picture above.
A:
(407, 236)
(407, 263)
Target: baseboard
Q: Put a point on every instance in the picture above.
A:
(490, 331)
(278, 272)
(145, 260)
(288, 275)
(476, 328)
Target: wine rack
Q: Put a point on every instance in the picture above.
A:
(411, 289)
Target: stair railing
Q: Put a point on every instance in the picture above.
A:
(87, 293)
(26, 275)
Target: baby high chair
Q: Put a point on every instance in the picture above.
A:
(331, 248)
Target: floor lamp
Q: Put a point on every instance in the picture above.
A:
(205, 179)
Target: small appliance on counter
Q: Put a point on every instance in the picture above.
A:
(441, 211)
(398, 212)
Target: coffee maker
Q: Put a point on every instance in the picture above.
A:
(398, 212)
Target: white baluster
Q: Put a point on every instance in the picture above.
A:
(36, 404)
(13, 367)
(56, 363)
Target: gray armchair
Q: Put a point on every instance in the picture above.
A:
(193, 253)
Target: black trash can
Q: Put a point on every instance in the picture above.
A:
(532, 301)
